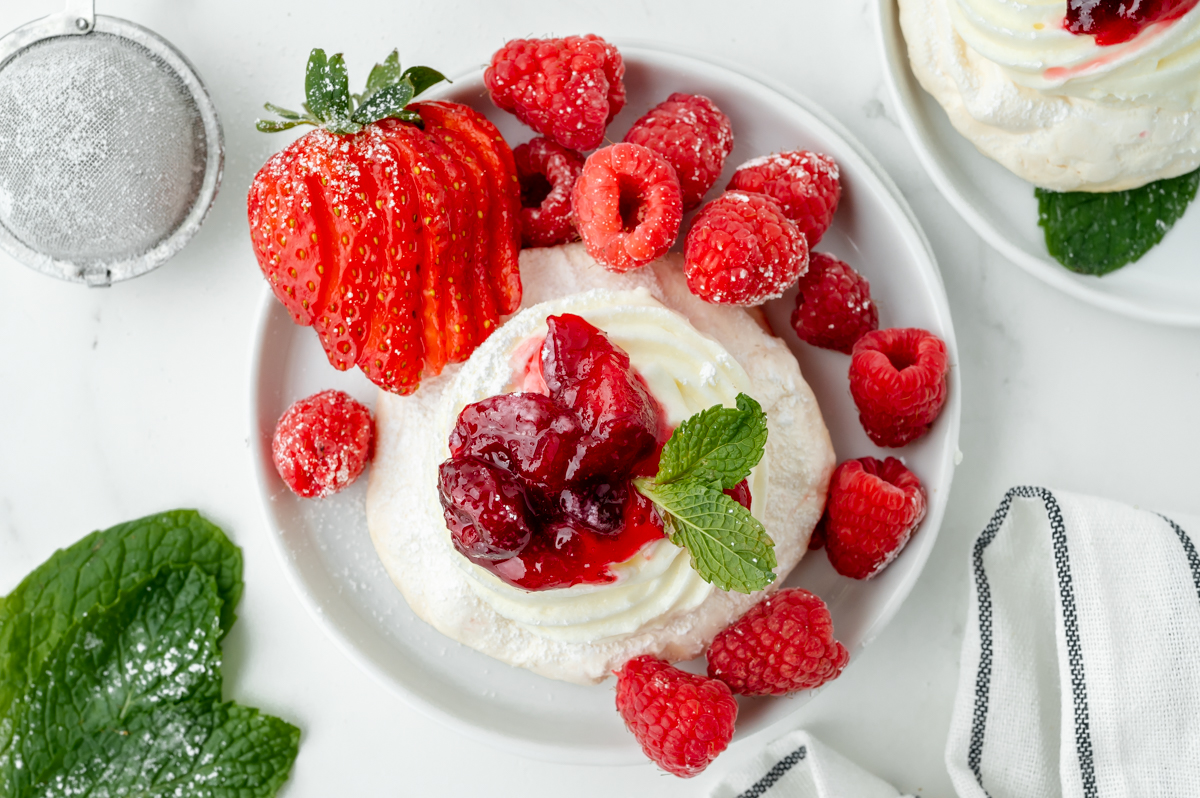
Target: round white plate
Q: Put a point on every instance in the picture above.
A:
(324, 545)
(1163, 287)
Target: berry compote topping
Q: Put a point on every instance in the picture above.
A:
(1116, 21)
(537, 488)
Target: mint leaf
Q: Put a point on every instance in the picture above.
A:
(157, 645)
(1096, 233)
(717, 446)
(728, 546)
(190, 750)
(93, 573)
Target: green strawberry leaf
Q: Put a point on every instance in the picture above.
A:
(275, 126)
(286, 114)
(728, 546)
(389, 101)
(94, 572)
(190, 750)
(157, 645)
(327, 89)
(1096, 233)
(423, 77)
(382, 75)
(717, 446)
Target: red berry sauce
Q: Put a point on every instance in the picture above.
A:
(565, 450)
(1116, 21)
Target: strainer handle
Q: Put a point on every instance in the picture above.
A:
(80, 15)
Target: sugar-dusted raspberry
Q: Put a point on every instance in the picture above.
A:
(566, 89)
(806, 184)
(322, 443)
(627, 206)
(833, 304)
(874, 507)
(547, 172)
(681, 720)
(693, 135)
(783, 644)
(742, 250)
(898, 381)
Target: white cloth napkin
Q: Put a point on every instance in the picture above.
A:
(798, 765)
(1081, 660)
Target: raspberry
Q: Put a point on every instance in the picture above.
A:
(817, 539)
(547, 173)
(681, 720)
(898, 381)
(783, 644)
(806, 184)
(566, 89)
(627, 206)
(873, 508)
(742, 250)
(322, 443)
(693, 135)
(833, 307)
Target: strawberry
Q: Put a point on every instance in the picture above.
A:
(393, 354)
(398, 244)
(504, 227)
(484, 315)
(284, 232)
(348, 242)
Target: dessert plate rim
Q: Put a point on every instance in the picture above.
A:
(322, 601)
(906, 91)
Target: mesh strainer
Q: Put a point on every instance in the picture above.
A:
(110, 148)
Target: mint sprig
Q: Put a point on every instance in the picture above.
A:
(707, 454)
(1096, 233)
(329, 103)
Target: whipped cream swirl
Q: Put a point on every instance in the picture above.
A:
(687, 372)
(1160, 65)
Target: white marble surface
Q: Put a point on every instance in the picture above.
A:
(116, 403)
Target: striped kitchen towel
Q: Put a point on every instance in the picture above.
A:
(798, 765)
(1081, 660)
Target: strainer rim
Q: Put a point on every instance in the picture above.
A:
(105, 272)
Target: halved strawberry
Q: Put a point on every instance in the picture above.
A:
(482, 295)
(504, 220)
(393, 355)
(284, 232)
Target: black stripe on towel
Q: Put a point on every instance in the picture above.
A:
(1066, 594)
(983, 677)
(775, 774)
(1188, 549)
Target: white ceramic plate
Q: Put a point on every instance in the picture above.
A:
(1163, 287)
(324, 545)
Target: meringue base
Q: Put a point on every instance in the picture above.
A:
(411, 538)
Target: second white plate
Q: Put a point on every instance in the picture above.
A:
(324, 545)
(1163, 287)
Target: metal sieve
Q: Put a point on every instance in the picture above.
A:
(110, 147)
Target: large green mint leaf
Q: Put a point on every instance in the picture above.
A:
(157, 645)
(728, 546)
(1095, 233)
(93, 572)
(717, 446)
(190, 750)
